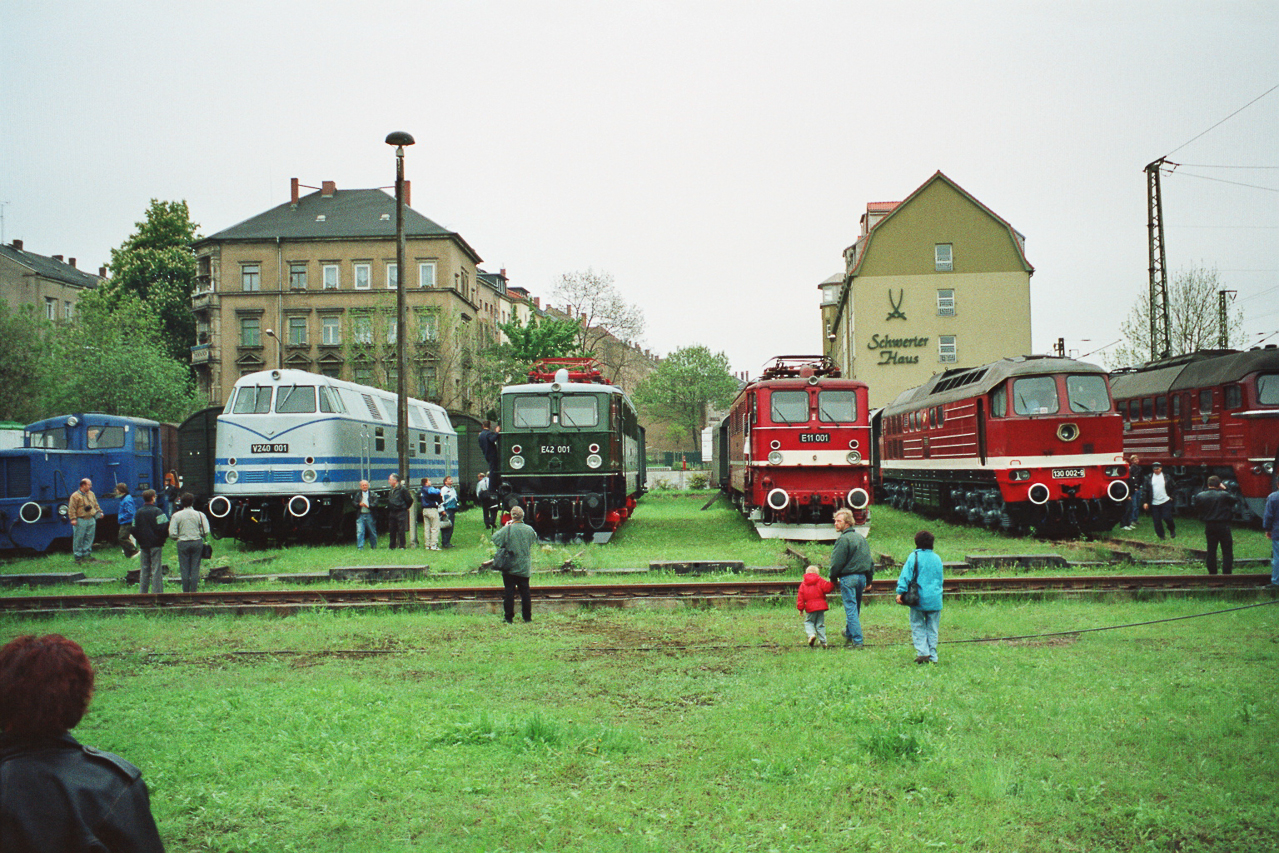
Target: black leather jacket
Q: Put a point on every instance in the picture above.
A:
(57, 796)
(1215, 505)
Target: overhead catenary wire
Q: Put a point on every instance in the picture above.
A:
(1223, 121)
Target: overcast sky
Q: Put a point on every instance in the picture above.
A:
(714, 157)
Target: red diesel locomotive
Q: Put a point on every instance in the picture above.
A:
(1026, 443)
(795, 447)
(1209, 412)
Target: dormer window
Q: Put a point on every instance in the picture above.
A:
(944, 256)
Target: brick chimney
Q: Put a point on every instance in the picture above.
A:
(328, 188)
(102, 272)
(293, 191)
(537, 302)
(71, 261)
(17, 244)
(57, 258)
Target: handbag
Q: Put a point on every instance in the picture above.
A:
(910, 598)
(502, 559)
(207, 551)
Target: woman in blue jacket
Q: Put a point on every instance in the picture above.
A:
(925, 568)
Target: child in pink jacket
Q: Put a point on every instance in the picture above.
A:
(812, 602)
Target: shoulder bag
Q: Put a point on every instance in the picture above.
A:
(910, 598)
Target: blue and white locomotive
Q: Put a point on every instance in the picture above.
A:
(293, 446)
(37, 479)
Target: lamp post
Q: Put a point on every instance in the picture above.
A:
(399, 139)
(279, 349)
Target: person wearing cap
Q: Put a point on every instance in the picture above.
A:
(1159, 500)
(1217, 507)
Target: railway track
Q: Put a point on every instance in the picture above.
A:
(692, 591)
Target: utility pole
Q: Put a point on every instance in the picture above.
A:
(1160, 328)
(1223, 319)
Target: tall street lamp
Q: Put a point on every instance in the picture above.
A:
(279, 349)
(399, 139)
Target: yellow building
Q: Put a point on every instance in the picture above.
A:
(933, 282)
(51, 284)
(311, 284)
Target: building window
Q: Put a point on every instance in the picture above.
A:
(331, 331)
(250, 331)
(330, 276)
(392, 377)
(428, 328)
(426, 274)
(297, 331)
(392, 276)
(331, 370)
(362, 329)
(363, 374)
(50, 308)
(428, 383)
(68, 311)
(947, 350)
(392, 330)
(297, 276)
(362, 273)
(944, 256)
(250, 278)
(946, 303)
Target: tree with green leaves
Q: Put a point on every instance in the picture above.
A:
(25, 367)
(1194, 319)
(157, 266)
(684, 384)
(542, 337)
(110, 360)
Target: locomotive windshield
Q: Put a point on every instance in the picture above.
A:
(252, 400)
(104, 437)
(1035, 395)
(837, 407)
(1268, 389)
(1087, 393)
(579, 411)
(49, 439)
(295, 399)
(790, 407)
(531, 412)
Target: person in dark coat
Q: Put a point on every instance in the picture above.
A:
(488, 440)
(57, 795)
(1216, 508)
(399, 503)
(851, 569)
(519, 540)
(151, 530)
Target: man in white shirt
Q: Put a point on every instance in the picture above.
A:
(1159, 501)
(365, 526)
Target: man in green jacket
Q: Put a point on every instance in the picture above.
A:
(851, 569)
(518, 539)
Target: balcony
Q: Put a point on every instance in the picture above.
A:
(201, 354)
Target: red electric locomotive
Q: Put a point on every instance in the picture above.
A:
(1209, 412)
(1023, 443)
(795, 447)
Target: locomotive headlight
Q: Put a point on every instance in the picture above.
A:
(308, 476)
(594, 448)
(1269, 467)
(63, 511)
(517, 462)
(594, 461)
(233, 477)
(1114, 471)
(853, 457)
(775, 458)
(1019, 475)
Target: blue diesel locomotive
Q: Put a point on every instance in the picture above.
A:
(293, 446)
(37, 479)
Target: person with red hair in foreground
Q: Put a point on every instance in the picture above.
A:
(55, 794)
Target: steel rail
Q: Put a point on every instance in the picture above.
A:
(693, 590)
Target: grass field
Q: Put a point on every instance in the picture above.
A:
(694, 729)
(667, 526)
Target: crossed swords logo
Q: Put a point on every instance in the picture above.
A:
(897, 313)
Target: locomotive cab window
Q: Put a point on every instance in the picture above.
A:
(329, 400)
(837, 407)
(295, 399)
(1234, 397)
(531, 412)
(579, 411)
(104, 437)
(1205, 401)
(789, 407)
(1176, 406)
(998, 403)
(1268, 389)
(1035, 395)
(1087, 394)
(142, 440)
(379, 439)
(1161, 407)
(49, 439)
(252, 400)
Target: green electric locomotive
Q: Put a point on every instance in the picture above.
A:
(571, 450)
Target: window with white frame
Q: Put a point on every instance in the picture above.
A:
(331, 331)
(947, 349)
(944, 256)
(50, 308)
(392, 276)
(297, 331)
(250, 277)
(362, 329)
(426, 273)
(946, 303)
(392, 330)
(297, 276)
(363, 273)
(330, 276)
(428, 327)
(68, 311)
